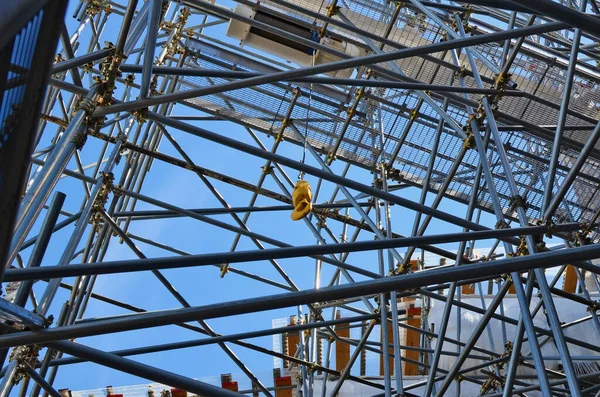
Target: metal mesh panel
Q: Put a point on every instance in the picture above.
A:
(19, 68)
(321, 118)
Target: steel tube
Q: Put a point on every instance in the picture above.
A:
(80, 60)
(137, 28)
(40, 381)
(46, 231)
(481, 325)
(68, 49)
(353, 358)
(17, 314)
(526, 317)
(434, 360)
(399, 381)
(572, 174)
(80, 227)
(152, 32)
(272, 253)
(158, 214)
(407, 281)
(513, 55)
(559, 12)
(539, 274)
(329, 67)
(409, 85)
(40, 190)
(562, 115)
(141, 370)
(7, 382)
(129, 13)
(217, 339)
(43, 368)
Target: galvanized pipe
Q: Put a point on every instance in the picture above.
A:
(329, 67)
(272, 253)
(407, 281)
(43, 238)
(562, 115)
(151, 33)
(139, 369)
(57, 160)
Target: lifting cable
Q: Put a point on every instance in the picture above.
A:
(301, 174)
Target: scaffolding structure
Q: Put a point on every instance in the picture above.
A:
(424, 128)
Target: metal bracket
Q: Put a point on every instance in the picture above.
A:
(469, 141)
(267, 170)
(80, 137)
(24, 354)
(87, 105)
(395, 175)
(414, 113)
(522, 249)
(102, 197)
(129, 80)
(517, 201)
(594, 307)
(140, 115)
(224, 270)
(462, 72)
(332, 10)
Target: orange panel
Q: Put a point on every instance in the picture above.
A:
(178, 393)
(342, 350)
(233, 386)
(283, 381)
(293, 340)
(468, 289)
(412, 339)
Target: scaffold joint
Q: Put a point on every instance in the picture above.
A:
(331, 157)
(224, 269)
(501, 224)
(414, 113)
(594, 307)
(517, 201)
(462, 71)
(378, 183)
(87, 105)
(267, 170)
(395, 175)
(129, 80)
(522, 249)
(469, 141)
(332, 10)
(80, 137)
(141, 115)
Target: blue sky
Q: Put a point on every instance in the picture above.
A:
(202, 285)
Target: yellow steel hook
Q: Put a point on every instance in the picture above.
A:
(301, 199)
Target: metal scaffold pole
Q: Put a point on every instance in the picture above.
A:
(441, 237)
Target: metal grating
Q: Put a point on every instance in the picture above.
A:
(263, 108)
